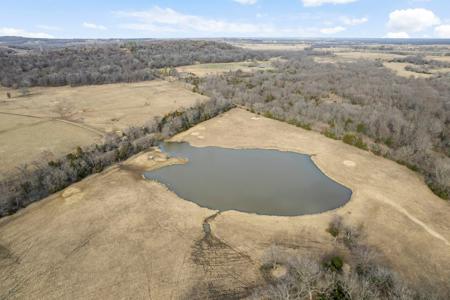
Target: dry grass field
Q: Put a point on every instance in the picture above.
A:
(115, 235)
(351, 56)
(58, 119)
(439, 58)
(274, 46)
(202, 70)
(399, 69)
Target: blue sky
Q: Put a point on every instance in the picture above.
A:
(225, 18)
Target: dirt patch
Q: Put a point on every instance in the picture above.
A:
(349, 163)
(278, 271)
(229, 273)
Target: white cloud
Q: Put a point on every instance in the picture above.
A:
(167, 19)
(412, 20)
(165, 22)
(246, 2)
(354, 21)
(332, 30)
(313, 3)
(397, 35)
(443, 31)
(21, 32)
(94, 26)
(47, 27)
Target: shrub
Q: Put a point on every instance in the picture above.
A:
(335, 226)
(361, 128)
(306, 126)
(389, 142)
(333, 263)
(268, 114)
(337, 291)
(354, 141)
(330, 134)
(408, 165)
(269, 98)
(438, 189)
(376, 149)
(348, 122)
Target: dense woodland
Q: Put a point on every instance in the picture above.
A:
(109, 63)
(363, 103)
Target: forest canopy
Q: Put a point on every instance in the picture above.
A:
(109, 63)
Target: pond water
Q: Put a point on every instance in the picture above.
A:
(266, 182)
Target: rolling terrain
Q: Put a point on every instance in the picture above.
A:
(80, 122)
(117, 235)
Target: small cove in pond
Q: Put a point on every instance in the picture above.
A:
(265, 182)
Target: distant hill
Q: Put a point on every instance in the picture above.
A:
(24, 42)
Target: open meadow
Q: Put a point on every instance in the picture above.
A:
(52, 121)
(202, 70)
(273, 46)
(389, 60)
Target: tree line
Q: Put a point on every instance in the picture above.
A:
(40, 179)
(363, 103)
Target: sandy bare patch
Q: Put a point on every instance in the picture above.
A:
(70, 191)
(278, 271)
(349, 163)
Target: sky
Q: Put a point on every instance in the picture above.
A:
(225, 18)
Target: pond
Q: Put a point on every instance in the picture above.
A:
(265, 182)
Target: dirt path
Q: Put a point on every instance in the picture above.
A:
(426, 227)
(83, 126)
